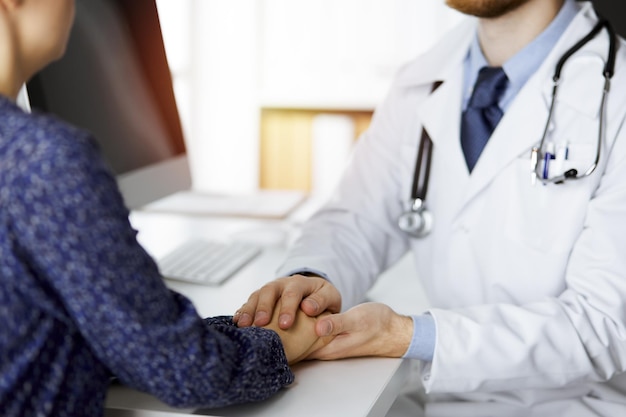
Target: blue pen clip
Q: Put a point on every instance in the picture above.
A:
(547, 157)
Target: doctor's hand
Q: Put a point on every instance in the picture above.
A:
(369, 329)
(314, 295)
(300, 339)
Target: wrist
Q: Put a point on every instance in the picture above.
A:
(401, 334)
(405, 335)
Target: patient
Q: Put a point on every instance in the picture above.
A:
(80, 300)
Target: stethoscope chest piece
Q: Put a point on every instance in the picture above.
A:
(416, 222)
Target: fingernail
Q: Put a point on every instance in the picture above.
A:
(313, 305)
(284, 320)
(260, 315)
(326, 328)
(245, 320)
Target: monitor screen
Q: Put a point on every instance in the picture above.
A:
(114, 81)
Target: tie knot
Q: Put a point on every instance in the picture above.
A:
(489, 87)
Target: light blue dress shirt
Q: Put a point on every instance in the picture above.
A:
(522, 65)
(518, 69)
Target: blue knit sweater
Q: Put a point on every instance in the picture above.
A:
(81, 301)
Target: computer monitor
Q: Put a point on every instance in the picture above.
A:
(114, 81)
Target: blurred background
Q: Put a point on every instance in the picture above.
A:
(273, 93)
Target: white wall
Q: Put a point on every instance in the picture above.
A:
(229, 58)
(342, 52)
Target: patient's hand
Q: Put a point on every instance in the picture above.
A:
(300, 339)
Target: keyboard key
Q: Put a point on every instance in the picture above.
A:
(206, 262)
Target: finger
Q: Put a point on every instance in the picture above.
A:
(315, 289)
(323, 297)
(314, 343)
(324, 353)
(319, 344)
(236, 316)
(339, 347)
(331, 325)
(243, 316)
(289, 303)
(267, 299)
(312, 351)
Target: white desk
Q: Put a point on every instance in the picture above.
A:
(354, 387)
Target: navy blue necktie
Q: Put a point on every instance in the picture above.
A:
(482, 114)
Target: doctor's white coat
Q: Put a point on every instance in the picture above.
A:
(528, 283)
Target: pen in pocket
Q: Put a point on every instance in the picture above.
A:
(547, 157)
(560, 158)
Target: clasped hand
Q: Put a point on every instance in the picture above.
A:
(300, 309)
(300, 339)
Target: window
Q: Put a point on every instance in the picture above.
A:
(230, 60)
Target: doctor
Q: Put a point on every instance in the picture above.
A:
(526, 272)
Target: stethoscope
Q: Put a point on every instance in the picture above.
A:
(417, 221)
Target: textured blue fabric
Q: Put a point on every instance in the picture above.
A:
(81, 301)
(482, 114)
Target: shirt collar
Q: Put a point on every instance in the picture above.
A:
(522, 65)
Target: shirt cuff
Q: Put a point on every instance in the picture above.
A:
(422, 345)
(305, 271)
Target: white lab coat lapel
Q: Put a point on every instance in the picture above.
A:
(440, 116)
(523, 123)
(439, 112)
(519, 130)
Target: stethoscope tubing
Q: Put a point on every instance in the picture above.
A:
(608, 71)
(417, 221)
(420, 219)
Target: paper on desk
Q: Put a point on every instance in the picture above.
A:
(274, 204)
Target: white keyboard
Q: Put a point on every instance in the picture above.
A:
(206, 262)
